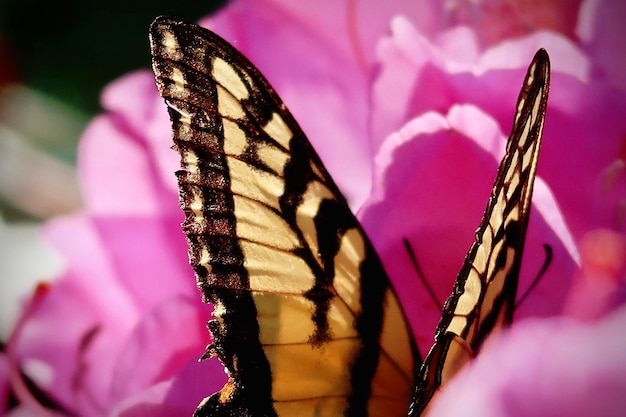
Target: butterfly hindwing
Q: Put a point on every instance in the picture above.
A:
(484, 293)
(306, 321)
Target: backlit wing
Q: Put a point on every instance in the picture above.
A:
(305, 322)
(483, 298)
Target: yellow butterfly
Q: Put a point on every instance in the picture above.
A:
(306, 321)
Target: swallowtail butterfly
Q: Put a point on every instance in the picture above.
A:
(306, 321)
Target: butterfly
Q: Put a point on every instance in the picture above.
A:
(306, 321)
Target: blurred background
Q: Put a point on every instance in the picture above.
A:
(55, 58)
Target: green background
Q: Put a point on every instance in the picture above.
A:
(71, 49)
(65, 52)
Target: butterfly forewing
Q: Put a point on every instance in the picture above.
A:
(484, 293)
(306, 322)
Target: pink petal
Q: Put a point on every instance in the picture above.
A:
(601, 29)
(425, 193)
(176, 397)
(601, 284)
(80, 358)
(584, 132)
(116, 174)
(549, 367)
(4, 382)
(125, 163)
(166, 341)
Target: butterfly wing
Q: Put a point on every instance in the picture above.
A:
(305, 320)
(484, 292)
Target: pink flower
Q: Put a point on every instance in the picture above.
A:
(124, 325)
(547, 367)
(409, 115)
(557, 366)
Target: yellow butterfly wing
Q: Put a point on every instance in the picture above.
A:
(306, 322)
(484, 292)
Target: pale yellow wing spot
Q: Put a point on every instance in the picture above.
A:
(254, 183)
(347, 272)
(514, 182)
(457, 324)
(179, 82)
(185, 132)
(278, 130)
(273, 157)
(226, 75)
(228, 105)
(493, 259)
(270, 270)
(190, 161)
(219, 310)
(197, 207)
(471, 294)
(523, 139)
(527, 160)
(171, 48)
(257, 223)
(235, 141)
(205, 259)
(484, 249)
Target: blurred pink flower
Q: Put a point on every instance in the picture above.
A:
(125, 319)
(558, 366)
(600, 285)
(409, 113)
(548, 367)
(437, 147)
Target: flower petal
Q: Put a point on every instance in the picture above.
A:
(549, 367)
(425, 193)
